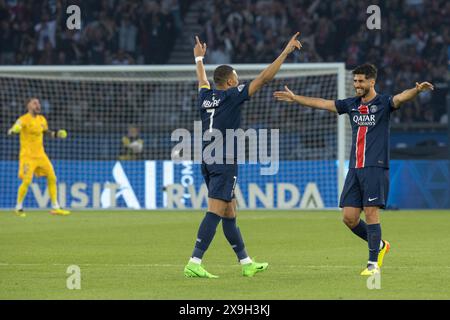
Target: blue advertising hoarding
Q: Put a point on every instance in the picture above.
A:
(165, 184)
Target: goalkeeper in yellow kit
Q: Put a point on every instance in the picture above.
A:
(33, 160)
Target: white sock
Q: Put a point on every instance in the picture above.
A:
(373, 263)
(246, 260)
(56, 206)
(381, 244)
(19, 206)
(195, 260)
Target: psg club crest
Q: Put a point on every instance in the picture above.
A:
(373, 109)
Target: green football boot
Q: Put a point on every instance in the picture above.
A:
(195, 270)
(20, 213)
(250, 269)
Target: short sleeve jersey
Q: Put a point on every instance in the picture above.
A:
(370, 130)
(32, 135)
(221, 110)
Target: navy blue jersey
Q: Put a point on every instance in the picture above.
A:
(221, 110)
(370, 130)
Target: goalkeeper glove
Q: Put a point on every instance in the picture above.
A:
(61, 134)
(15, 129)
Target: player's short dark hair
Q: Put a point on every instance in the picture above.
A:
(367, 69)
(222, 74)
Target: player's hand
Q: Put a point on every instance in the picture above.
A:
(424, 86)
(61, 134)
(15, 129)
(199, 49)
(293, 44)
(125, 141)
(286, 95)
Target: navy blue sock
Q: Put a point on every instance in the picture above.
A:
(234, 237)
(374, 238)
(205, 234)
(361, 230)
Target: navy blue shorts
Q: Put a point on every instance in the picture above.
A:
(365, 187)
(220, 180)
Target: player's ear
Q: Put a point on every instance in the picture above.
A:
(233, 82)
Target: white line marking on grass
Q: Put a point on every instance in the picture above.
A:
(157, 265)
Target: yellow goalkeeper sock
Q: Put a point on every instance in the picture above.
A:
(52, 189)
(21, 193)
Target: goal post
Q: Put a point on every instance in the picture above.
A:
(100, 105)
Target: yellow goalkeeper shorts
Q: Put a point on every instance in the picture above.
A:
(40, 167)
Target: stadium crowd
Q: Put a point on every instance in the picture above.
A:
(412, 45)
(112, 32)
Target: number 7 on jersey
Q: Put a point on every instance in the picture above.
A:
(211, 118)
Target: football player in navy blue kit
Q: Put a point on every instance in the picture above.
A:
(366, 186)
(220, 109)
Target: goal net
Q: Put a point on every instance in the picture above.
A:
(121, 148)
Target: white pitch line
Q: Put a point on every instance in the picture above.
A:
(88, 265)
(211, 265)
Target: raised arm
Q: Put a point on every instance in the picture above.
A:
(199, 54)
(410, 94)
(316, 103)
(269, 73)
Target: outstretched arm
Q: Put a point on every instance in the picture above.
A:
(199, 54)
(269, 73)
(316, 103)
(410, 94)
(61, 133)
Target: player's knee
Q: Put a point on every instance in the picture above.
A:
(371, 214)
(26, 182)
(218, 207)
(229, 214)
(350, 222)
(372, 218)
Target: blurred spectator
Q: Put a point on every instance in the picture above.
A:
(122, 58)
(132, 145)
(6, 37)
(403, 50)
(145, 30)
(45, 32)
(127, 35)
(218, 55)
(412, 45)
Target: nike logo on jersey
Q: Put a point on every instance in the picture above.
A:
(371, 199)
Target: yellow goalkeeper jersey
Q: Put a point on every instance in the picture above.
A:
(32, 135)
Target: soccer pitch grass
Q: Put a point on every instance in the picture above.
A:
(141, 255)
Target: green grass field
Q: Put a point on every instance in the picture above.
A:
(141, 255)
